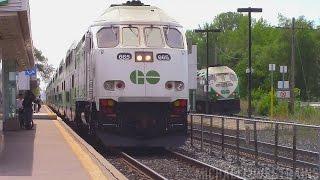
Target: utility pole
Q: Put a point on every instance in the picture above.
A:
(249, 11)
(292, 64)
(207, 31)
(215, 62)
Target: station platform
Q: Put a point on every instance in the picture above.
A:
(51, 151)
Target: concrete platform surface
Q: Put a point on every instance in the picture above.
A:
(46, 152)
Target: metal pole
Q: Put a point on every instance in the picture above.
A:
(191, 134)
(211, 135)
(318, 134)
(292, 73)
(215, 54)
(207, 75)
(271, 108)
(294, 151)
(250, 68)
(276, 140)
(201, 132)
(283, 78)
(255, 143)
(194, 100)
(238, 141)
(222, 137)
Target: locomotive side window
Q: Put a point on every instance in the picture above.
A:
(174, 38)
(130, 36)
(108, 37)
(153, 37)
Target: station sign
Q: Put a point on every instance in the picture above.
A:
(283, 94)
(283, 84)
(272, 67)
(283, 69)
(31, 72)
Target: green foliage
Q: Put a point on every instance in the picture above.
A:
(269, 45)
(307, 114)
(281, 110)
(45, 69)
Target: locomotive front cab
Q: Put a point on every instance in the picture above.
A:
(143, 75)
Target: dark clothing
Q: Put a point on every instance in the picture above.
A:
(27, 102)
(27, 116)
(27, 108)
(21, 117)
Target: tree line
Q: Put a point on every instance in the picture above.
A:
(270, 45)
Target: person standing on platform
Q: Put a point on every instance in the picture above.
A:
(27, 107)
(37, 105)
(19, 102)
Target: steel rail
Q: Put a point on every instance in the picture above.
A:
(260, 143)
(282, 159)
(143, 168)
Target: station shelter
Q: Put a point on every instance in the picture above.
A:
(16, 54)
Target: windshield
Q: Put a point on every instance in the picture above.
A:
(108, 37)
(130, 36)
(153, 37)
(174, 38)
(222, 77)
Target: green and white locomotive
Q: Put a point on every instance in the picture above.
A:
(223, 91)
(126, 80)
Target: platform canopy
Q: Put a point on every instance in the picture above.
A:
(15, 33)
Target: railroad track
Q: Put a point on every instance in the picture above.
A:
(173, 165)
(215, 139)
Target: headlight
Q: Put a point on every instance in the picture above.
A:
(144, 56)
(109, 85)
(179, 85)
(139, 58)
(148, 58)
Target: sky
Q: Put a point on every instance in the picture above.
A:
(57, 23)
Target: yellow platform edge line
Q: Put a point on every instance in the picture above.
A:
(50, 113)
(93, 170)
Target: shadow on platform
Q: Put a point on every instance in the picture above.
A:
(16, 152)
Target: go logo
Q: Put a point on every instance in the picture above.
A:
(137, 77)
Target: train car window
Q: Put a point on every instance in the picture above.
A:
(174, 38)
(72, 81)
(130, 36)
(153, 37)
(108, 37)
(67, 96)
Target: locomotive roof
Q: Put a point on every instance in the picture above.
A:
(132, 14)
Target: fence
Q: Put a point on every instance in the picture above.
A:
(283, 142)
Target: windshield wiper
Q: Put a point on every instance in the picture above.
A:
(130, 27)
(114, 32)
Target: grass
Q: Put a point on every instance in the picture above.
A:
(305, 115)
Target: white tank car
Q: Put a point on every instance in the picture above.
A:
(127, 79)
(223, 91)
